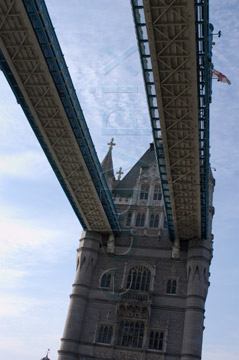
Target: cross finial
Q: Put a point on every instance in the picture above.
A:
(120, 172)
(111, 144)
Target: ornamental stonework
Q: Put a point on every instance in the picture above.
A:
(103, 352)
(127, 355)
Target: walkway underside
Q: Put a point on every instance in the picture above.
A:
(171, 38)
(46, 96)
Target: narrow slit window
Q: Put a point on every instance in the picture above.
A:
(171, 286)
(129, 218)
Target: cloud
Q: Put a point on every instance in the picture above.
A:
(220, 352)
(12, 306)
(28, 165)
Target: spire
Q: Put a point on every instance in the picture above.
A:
(107, 164)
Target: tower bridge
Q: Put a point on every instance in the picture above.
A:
(158, 310)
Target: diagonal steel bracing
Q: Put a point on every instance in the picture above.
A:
(175, 56)
(33, 64)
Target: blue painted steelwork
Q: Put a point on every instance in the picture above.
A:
(44, 31)
(143, 45)
(204, 67)
(20, 99)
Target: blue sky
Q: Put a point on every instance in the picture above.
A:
(39, 231)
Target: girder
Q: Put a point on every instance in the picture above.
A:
(33, 64)
(174, 46)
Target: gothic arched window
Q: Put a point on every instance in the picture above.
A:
(157, 193)
(156, 340)
(144, 193)
(105, 280)
(154, 221)
(139, 278)
(131, 333)
(171, 286)
(105, 334)
(140, 219)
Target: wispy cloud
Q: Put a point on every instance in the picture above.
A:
(221, 352)
(28, 165)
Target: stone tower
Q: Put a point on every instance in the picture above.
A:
(130, 299)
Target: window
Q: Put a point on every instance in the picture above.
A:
(129, 218)
(144, 192)
(131, 334)
(157, 193)
(171, 286)
(105, 280)
(140, 219)
(105, 334)
(139, 278)
(156, 340)
(154, 221)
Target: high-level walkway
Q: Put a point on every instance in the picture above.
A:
(175, 48)
(32, 61)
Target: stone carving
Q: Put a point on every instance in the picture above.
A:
(196, 276)
(154, 357)
(108, 315)
(103, 352)
(156, 323)
(194, 242)
(134, 311)
(127, 355)
(111, 244)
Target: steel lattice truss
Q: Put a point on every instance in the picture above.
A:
(168, 44)
(53, 113)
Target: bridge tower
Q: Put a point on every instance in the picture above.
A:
(133, 300)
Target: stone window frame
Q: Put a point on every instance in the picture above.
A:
(144, 192)
(154, 221)
(105, 325)
(172, 278)
(140, 219)
(131, 321)
(128, 218)
(159, 331)
(107, 274)
(132, 264)
(142, 278)
(157, 196)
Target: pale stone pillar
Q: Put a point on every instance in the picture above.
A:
(199, 256)
(87, 256)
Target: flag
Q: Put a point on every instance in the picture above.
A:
(220, 77)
